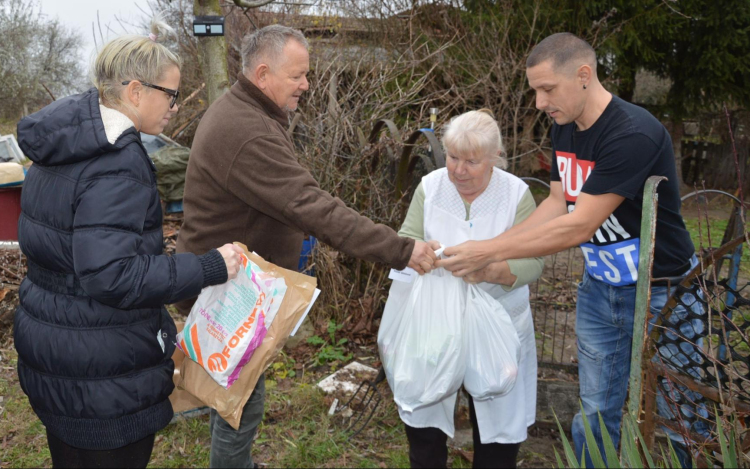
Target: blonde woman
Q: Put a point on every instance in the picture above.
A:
(473, 199)
(94, 340)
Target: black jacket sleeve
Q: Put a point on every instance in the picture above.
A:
(110, 211)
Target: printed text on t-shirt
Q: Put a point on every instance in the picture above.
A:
(573, 173)
(612, 254)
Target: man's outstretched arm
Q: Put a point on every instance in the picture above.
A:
(546, 237)
(552, 207)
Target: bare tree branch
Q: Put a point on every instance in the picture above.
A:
(252, 4)
(48, 91)
(52, 56)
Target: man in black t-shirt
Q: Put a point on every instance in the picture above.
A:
(604, 149)
(616, 155)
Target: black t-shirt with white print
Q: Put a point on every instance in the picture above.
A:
(623, 148)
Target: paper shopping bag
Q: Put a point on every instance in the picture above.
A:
(230, 402)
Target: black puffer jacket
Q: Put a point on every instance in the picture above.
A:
(93, 338)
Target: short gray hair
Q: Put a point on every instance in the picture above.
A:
(563, 49)
(268, 42)
(475, 133)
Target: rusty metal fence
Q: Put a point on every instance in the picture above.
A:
(696, 357)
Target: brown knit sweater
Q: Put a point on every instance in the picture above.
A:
(245, 184)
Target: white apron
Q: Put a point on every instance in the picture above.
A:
(503, 419)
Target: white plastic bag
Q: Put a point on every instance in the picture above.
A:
(420, 339)
(492, 347)
(229, 321)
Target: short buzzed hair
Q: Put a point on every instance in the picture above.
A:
(564, 50)
(268, 42)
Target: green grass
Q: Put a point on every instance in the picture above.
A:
(8, 127)
(716, 227)
(23, 442)
(296, 432)
(185, 443)
(700, 231)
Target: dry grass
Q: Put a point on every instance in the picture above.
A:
(296, 432)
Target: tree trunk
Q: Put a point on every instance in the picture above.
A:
(676, 131)
(213, 53)
(626, 90)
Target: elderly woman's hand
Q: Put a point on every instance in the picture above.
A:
(478, 276)
(423, 256)
(496, 272)
(466, 258)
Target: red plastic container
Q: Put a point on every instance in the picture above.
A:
(10, 210)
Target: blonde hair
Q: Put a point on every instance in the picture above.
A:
(475, 133)
(132, 57)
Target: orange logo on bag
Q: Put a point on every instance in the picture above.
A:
(217, 363)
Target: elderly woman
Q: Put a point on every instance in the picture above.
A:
(472, 199)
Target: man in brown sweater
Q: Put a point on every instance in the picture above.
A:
(245, 184)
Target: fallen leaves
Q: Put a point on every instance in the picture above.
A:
(8, 304)
(467, 455)
(171, 228)
(12, 268)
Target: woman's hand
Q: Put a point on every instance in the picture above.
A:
(231, 255)
(497, 272)
(423, 256)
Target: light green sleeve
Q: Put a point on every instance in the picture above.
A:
(413, 226)
(525, 270)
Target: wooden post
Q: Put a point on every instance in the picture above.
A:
(676, 133)
(643, 294)
(213, 51)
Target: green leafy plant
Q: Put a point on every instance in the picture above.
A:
(330, 350)
(283, 367)
(632, 453)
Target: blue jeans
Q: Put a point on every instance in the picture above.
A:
(230, 447)
(604, 327)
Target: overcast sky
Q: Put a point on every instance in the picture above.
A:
(81, 14)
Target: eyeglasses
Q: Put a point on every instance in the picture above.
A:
(173, 93)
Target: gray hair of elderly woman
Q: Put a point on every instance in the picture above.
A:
(475, 133)
(268, 43)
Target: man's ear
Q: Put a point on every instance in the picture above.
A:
(261, 74)
(584, 74)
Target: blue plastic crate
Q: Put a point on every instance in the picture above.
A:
(307, 249)
(174, 207)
